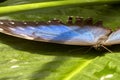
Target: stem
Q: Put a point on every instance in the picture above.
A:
(15, 8)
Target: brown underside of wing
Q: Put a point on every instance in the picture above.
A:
(78, 21)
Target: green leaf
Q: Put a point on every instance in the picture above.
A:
(29, 60)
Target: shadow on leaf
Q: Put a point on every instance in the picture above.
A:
(43, 48)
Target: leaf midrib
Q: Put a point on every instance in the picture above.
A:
(77, 70)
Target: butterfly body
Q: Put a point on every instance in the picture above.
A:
(82, 32)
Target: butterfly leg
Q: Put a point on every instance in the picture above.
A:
(106, 48)
(100, 46)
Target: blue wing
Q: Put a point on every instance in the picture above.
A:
(71, 35)
(114, 38)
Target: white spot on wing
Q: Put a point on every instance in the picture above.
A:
(12, 22)
(24, 23)
(1, 30)
(49, 21)
(1, 23)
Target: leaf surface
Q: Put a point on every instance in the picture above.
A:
(29, 60)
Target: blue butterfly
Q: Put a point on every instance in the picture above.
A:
(81, 32)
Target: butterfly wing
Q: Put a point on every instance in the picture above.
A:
(55, 33)
(114, 38)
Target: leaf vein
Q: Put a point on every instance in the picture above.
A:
(77, 70)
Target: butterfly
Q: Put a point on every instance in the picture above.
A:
(80, 32)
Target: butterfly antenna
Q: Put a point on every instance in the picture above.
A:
(107, 49)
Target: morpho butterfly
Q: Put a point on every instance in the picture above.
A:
(81, 32)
